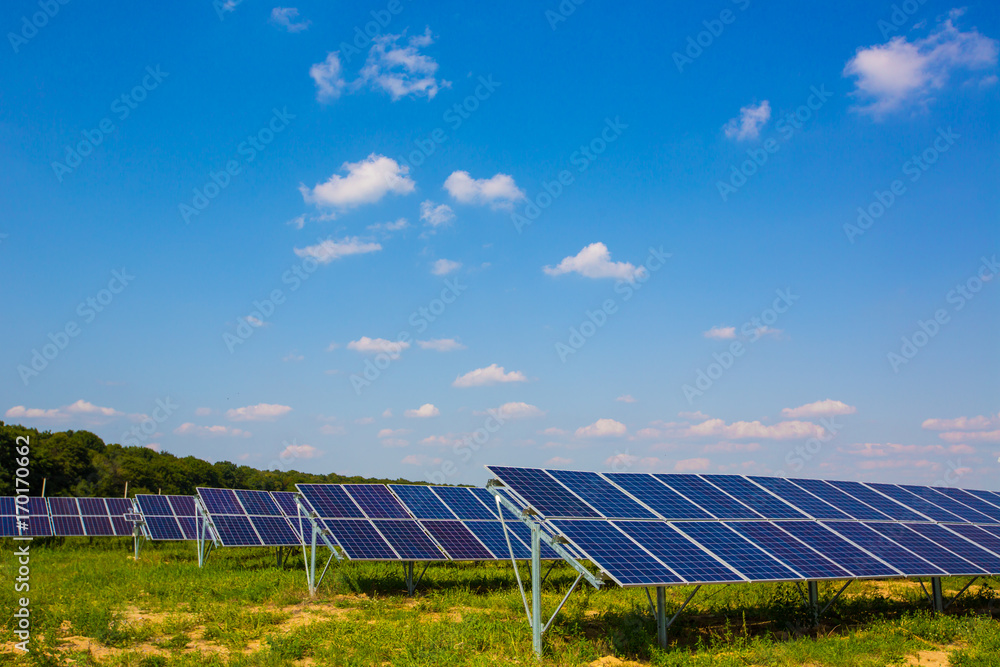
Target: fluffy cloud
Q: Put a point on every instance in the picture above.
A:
(517, 410)
(368, 345)
(366, 182)
(500, 191)
(720, 333)
(443, 267)
(329, 78)
(492, 374)
(692, 465)
(329, 250)
(901, 73)
(749, 122)
(435, 215)
(387, 227)
(440, 344)
(741, 430)
(891, 449)
(602, 428)
(594, 261)
(187, 428)
(970, 436)
(402, 70)
(284, 17)
(424, 411)
(626, 398)
(825, 408)
(299, 452)
(259, 412)
(80, 408)
(977, 423)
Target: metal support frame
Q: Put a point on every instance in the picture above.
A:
(310, 520)
(662, 624)
(205, 539)
(964, 588)
(411, 585)
(937, 594)
(813, 587)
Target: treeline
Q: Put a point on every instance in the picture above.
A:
(78, 463)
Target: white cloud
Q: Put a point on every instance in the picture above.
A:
(328, 77)
(602, 428)
(329, 250)
(80, 408)
(299, 452)
(518, 410)
(748, 125)
(387, 227)
(435, 215)
(284, 17)
(557, 462)
(621, 461)
(402, 70)
(594, 261)
(368, 345)
(720, 333)
(187, 428)
(443, 267)
(440, 344)
(825, 408)
(553, 431)
(492, 374)
(977, 423)
(392, 433)
(424, 411)
(366, 182)
(692, 465)
(21, 412)
(901, 73)
(970, 436)
(259, 412)
(500, 191)
(787, 430)
(626, 398)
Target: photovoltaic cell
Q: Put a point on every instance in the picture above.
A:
(708, 497)
(979, 535)
(862, 565)
(98, 526)
(235, 530)
(543, 492)
(754, 496)
(422, 502)
(457, 540)
(67, 526)
(408, 540)
(92, 506)
(167, 517)
(685, 558)
(842, 501)
(64, 507)
(800, 498)
(661, 498)
(621, 558)
(938, 555)
(491, 534)
(7, 506)
(330, 501)
(902, 559)
(788, 549)
(38, 526)
(484, 496)
(286, 502)
(958, 545)
(220, 501)
(189, 527)
(259, 503)
(274, 531)
(948, 504)
(602, 495)
(359, 539)
(873, 498)
(928, 509)
(31, 521)
(973, 501)
(522, 532)
(119, 506)
(990, 497)
(376, 501)
(464, 502)
(737, 552)
(121, 527)
(182, 505)
(151, 505)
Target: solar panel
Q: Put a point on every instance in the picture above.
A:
(661, 498)
(985, 536)
(991, 497)
(958, 545)
(686, 559)
(708, 497)
(484, 496)
(464, 503)
(754, 496)
(235, 530)
(457, 540)
(163, 528)
(973, 501)
(258, 503)
(421, 501)
(543, 492)
(788, 549)
(602, 495)
(873, 498)
(220, 501)
(151, 505)
(67, 526)
(247, 518)
(286, 501)
(878, 545)
(376, 501)
(928, 509)
(408, 540)
(491, 534)
(800, 498)
(938, 555)
(167, 517)
(31, 521)
(948, 504)
(842, 501)
(330, 501)
(359, 539)
(859, 563)
(98, 526)
(64, 507)
(737, 552)
(620, 557)
(274, 531)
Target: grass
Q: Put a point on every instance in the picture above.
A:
(93, 605)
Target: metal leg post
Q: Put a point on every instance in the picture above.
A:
(814, 600)
(938, 594)
(536, 589)
(661, 616)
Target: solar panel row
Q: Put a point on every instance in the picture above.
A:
(247, 518)
(68, 517)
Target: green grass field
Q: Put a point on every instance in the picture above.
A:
(93, 605)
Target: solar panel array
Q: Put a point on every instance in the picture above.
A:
(658, 529)
(31, 521)
(65, 517)
(168, 517)
(242, 518)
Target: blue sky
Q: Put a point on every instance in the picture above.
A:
(738, 237)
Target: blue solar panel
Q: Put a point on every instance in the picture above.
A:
(754, 496)
(542, 492)
(376, 501)
(862, 565)
(37, 506)
(991, 497)
(235, 530)
(842, 501)
(708, 497)
(189, 527)
(458, 542)
(685, 558)
(408, 540)
(64, 506)
(484, 496)
(661, 498)
(92, 506)
(359, 539)
(946, 560)
(8, 527)
(789, 550)
(330, 501)
(98, 526)
(978, 535)
(31, 521)
(958, 545)
(737, 552)
(621, 558)
(38, 526)
(119, 506)
(163, 528)
(274, 531)
(602, 495)
(7, 506)
(286, 502)
(121, 527)
(465, 503)
(800, 498)
(491, 534)
(973, 501)
(964, 512)
(915, 502)
(422, 502)
(879, 546)
(258, 503)
(873, 498)
(167, 517)
(67, 526)
(151, 505)
(220, 501)
(182, 505)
